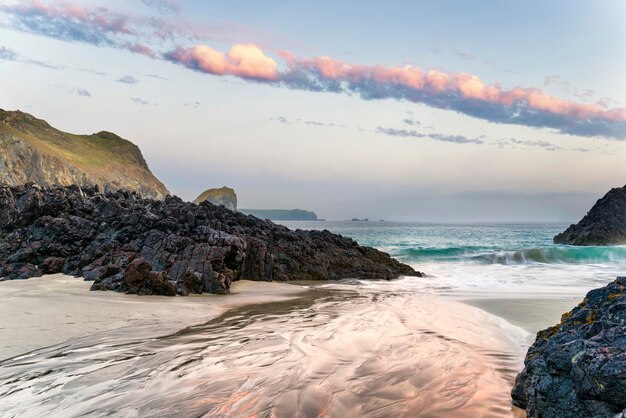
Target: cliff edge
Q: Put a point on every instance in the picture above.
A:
(32, 151)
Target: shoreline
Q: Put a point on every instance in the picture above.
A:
(72, 311)
(342, 347)
(532, 315)
(49, 310)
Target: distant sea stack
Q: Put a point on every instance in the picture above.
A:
(125, 243)
(31, 151)
(281, 214)
(224, 196)
(604, 224)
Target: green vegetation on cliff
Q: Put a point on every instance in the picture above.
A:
(33, 151)
(224, 196)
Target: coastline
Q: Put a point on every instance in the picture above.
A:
(347, 344)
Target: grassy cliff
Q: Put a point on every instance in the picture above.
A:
(33, 151)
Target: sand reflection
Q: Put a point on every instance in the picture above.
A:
(330, 352)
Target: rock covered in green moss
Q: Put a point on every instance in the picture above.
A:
(578, 368)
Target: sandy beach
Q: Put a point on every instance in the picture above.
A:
(351, 349)
(45, 311)
(270, 348)
(530, 314)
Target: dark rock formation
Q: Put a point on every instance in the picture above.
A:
(125, 243)
(224, 196)
(32, 151)
(604, 224)
(578, 367)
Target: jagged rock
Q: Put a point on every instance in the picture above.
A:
(140, 279)
(604, 224)
(224, 196)
(125, 243)
(578, 367)
(32, 151)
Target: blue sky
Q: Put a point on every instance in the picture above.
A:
(366, 131)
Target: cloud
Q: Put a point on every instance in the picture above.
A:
(75, 23)
(457, 139)
(7, 54)
(460, 92)
(81, 92)
(243, 60)
(316, 123)
(95, 72)
(128, 79)
(139, 101)
(41, 64)
(158, 77)
(324, 124)
(568, 87)
(281, 119)
(74, 90)
(540, 144)
(411, 122)
(164, 6)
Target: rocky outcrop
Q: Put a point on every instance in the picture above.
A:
(578, 367)
(125, 243)
(604, 224)
(31, 151)
(224, 196)
(282, 214)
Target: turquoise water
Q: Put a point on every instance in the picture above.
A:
(488, 259)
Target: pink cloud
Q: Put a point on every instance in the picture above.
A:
(243, 60)
(459, 85)
(461, 92)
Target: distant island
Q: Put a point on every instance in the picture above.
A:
(282, 214)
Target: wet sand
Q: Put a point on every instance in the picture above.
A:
(335, 351)
(530, 314)
(41, 312)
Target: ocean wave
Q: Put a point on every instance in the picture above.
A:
(489, 255)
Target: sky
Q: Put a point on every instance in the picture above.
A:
(433, 111)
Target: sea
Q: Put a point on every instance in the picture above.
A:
(486, 259)
(448, 344)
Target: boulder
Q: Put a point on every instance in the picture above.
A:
(577, 368)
